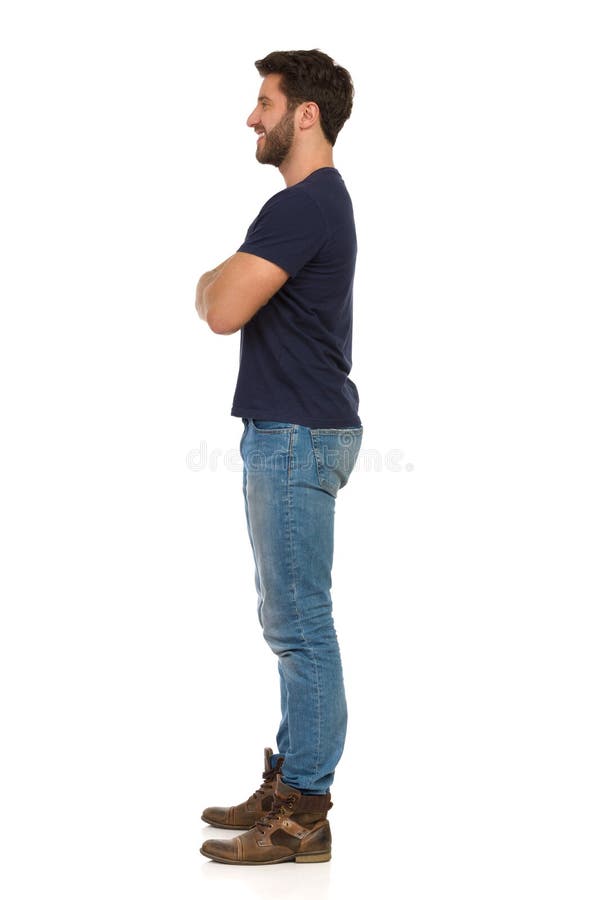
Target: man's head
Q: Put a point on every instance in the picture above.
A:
(304, 97)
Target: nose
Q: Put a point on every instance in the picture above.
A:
(253, 119)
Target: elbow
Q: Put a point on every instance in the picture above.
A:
(216, 316)
(219, 324)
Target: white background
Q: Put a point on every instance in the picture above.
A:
(136, 686)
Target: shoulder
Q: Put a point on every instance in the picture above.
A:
(326, 189)
(293, 207)
(297, 197)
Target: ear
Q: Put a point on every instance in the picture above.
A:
(310, 115)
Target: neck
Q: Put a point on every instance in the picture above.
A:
(295, 170)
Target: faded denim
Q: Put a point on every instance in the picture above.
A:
(291, 477)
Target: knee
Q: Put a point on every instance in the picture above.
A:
(274, 639)
(280, 634)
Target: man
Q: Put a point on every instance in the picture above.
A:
(288, 288)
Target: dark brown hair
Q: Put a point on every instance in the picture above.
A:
(312, 75)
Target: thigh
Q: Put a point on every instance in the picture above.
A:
(292, 476)
(267, 457)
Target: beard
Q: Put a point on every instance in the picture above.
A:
(277, 143)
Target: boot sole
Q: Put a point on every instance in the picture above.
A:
(298, 857)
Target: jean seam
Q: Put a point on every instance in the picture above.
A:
(324, 482)
(257, 579)
(299, 619)
(282, 430)
(336, 430)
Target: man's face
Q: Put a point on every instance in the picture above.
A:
(271, 119)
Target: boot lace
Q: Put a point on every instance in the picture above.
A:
(268, 777)
(279, 810)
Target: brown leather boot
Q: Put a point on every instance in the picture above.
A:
(295, 830)
(246, 814)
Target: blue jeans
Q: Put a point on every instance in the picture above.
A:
(291, 478)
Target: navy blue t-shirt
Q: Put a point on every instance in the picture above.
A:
(296, 351)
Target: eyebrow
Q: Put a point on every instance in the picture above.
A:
(264, 97)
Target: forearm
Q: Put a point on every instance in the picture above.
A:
(202, 304)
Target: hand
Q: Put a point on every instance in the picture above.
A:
(205, 280)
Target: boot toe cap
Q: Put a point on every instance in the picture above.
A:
(216, 815)
(221, 850)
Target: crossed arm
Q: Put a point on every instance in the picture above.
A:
(229, 296)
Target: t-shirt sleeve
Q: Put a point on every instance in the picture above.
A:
(288, 231)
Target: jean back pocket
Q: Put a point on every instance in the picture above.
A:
(336, 452)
